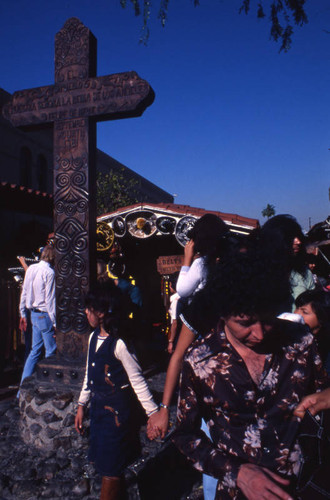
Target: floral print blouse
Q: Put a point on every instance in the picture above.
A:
(247, 422)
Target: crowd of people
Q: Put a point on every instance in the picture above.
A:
(250, 336)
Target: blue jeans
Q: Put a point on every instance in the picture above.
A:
(42, 335)
(209, 482)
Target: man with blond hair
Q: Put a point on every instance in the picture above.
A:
(38, 296)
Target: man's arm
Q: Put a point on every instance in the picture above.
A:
(22, 302)
(50, 296)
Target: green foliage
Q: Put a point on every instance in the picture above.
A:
(115, 190)
(269, 211)
(282, 15)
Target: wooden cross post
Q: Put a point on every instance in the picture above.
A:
(74, 104)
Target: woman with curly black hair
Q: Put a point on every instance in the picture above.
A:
(245, 379)
(283, 238)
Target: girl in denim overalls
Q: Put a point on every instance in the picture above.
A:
(111, 370)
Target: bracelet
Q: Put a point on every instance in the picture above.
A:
(161, 405)
(170, 341)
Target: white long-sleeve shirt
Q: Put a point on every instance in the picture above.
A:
(192, 278)
(39, 290)
(134, 372)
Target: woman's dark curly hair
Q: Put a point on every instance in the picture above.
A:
(278, 233)
(208, 235)
(242, 284)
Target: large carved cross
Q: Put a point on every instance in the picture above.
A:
(74, 104)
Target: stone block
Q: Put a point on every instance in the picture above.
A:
(44, 397)
(62, 442)
(62, 401)
(30, 412)
(35, 429)
(69, 420)
(50, 432)
(49, 417)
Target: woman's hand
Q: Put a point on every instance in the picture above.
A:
(189, 252)
(78, 421)
(170, 348)
(158, 424)
(314, 403)
(257, 482)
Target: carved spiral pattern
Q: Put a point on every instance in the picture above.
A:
(78, 179)
(74, 163)
(60, 282)
(80, 323)
(71, 304)
(63, 163)
(63, 180)
(64, 267)
(59, 207)
(79, 162)
(63, 302)
(62, 245)
(78, 266)
(80, 243)
(64, 322)
(82, 206)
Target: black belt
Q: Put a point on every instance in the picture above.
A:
(35, 310)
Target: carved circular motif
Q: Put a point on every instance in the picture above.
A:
(63, 302)
(64, 267)
(65, 163)
(80, 323)
(78, 266)
(59, 207)
(79, 162)
(63, 322)
(62, 245)
(80, 244)
(60, 281)
(62, 180)
(78, 179)
(82, 206)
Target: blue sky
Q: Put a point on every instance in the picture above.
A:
(235, 124)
